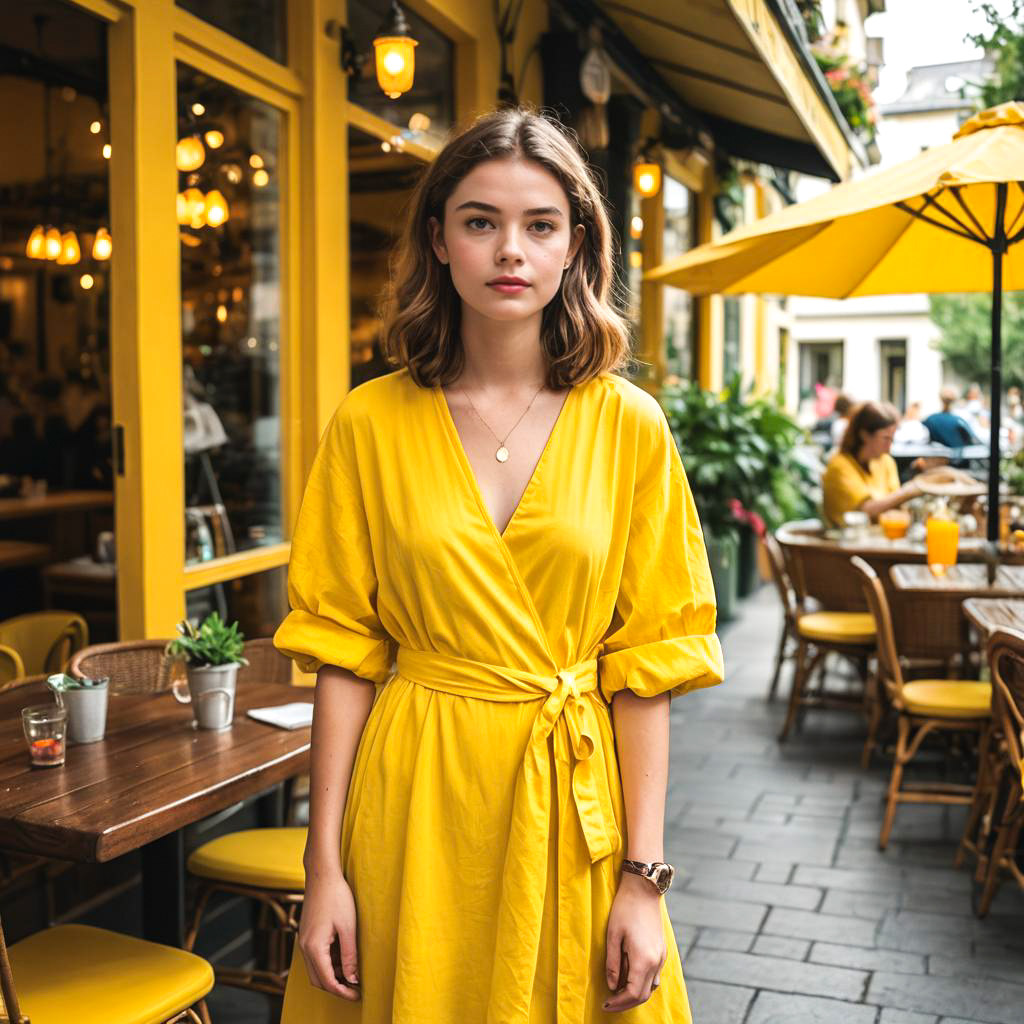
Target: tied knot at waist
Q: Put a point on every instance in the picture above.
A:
(568, 714)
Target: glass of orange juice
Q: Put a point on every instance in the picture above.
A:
(941, 540)
(894, 523)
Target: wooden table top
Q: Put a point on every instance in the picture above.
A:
(992, 613)
(22, 552)
(151, 775)
(50, 504)
(874, 543)
(962, 580)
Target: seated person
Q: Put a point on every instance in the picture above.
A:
(947, 427)
(862, 475)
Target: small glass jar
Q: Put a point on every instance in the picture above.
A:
(45, 728)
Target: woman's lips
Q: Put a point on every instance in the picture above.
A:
(507, 288)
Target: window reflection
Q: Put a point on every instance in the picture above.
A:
(427, 111)
(229, 210)
(259, 602)
(259, 23)
(678, 304)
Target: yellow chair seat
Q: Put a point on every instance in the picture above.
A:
(838, 627)
(73, 972)
(269, 858)
(948, 698)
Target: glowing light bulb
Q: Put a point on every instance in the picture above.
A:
(646, 178)
(260, 178)
(214, 139)
(196, 203)
(70, 250)
(222, 313)
(53, 245)
(255, 161)
(86, 281)
(102, 245)
(189, 153)
(96, 127)
(35, 248)
(106, 151)
(636, 227)
(394, 62)
(216, 208)
(181, 210)
(386, 146)
(198, 109)
(419, 122)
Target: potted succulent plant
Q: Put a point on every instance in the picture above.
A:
(211, 654)
(86, 702)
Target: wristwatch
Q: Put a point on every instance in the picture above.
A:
(658, 874)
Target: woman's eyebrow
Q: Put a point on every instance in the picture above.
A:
(534, 212)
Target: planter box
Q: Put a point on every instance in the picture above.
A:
(723, 557)
(749, 572)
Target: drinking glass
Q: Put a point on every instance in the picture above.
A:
(894, 523)
(941, 541)
(45, 726)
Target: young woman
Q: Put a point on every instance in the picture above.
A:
(862, 474)
(501, 535)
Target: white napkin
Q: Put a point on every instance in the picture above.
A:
(287, 716)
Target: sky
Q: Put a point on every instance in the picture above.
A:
(918, 32)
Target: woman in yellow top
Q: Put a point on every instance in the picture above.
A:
(862, 474)
(500, 534)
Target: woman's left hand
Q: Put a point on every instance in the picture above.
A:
(636, 944)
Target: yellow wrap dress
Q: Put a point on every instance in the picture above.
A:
(484, 827)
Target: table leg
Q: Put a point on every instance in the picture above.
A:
(270, 807)
(163, 889)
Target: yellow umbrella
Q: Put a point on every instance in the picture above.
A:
(947, 220)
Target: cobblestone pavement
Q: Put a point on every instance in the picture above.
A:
(786, 912)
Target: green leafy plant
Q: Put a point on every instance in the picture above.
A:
(1003, 39)
(740, 457)
(1012, 472)
(852, 92)
(62, 682)
(213, 643)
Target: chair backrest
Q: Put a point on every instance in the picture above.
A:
(823, 573)
(13, 684)
(1006, 661)
(266, 663)
(780, 576)
(11, 665)
(878, 604)
(45, 640)
(134, 666)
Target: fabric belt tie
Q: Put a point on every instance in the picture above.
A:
(569, 716)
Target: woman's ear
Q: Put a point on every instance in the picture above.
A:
(574, 245)
(437, 239)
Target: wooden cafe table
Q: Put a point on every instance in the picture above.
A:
(991, 613)
(138, 788)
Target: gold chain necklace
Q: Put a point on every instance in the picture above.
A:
(502, 453)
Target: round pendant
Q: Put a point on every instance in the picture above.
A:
(501, 454)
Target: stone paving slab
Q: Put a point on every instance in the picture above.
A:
(786, 910)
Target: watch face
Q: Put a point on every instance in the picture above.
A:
(662, 876)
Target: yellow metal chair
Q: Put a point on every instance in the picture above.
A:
(11, 666)
(262, 864)
(923, 707)
(74, 972)
(45, 640)
(850, 634)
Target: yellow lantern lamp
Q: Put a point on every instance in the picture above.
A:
(70, 250)
(52, 247)
(195, 203)
(646, 178)
(394, 47)
(35, 247)
(102, 245)
(214, 138)
(86, 281)
(216, 208)
(189, 153)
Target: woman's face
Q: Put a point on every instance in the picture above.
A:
(877, 442)
(507, 219)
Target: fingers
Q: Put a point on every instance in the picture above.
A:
(349, 955)
(638, 982)
(326, 970)
(613, 965)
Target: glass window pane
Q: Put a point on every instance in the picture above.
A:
(433, 90)
(230, 210)
(258, 23)
(258, 602)
(678, 237)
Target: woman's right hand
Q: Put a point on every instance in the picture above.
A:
(329, 915)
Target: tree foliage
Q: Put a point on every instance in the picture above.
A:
(966, 342)
(1003, 39)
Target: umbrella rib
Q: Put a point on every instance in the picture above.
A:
(1020, 210)
(936, 223)
(963, 206)
(930, 200)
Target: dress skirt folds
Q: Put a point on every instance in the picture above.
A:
(484, 828)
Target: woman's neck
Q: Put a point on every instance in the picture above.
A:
(502, 355)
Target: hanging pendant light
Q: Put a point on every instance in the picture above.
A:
(646, 178)
(394, 48)
(102, 245)
(189, 153)
(216, 208)
(181, 210)
(214, 138)
(196, 204)
(53, 245)
(35, 247)
(70, 250)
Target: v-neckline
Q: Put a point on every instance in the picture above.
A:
(467, 466)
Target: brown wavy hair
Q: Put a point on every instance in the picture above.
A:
(866, 418)
(582, 332)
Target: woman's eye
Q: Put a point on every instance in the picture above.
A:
(546, 225)
(476, 222)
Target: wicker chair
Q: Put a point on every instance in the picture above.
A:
(73, 972)
(11, 666)
(844, 628)
(923, 707)
(994, 825)
(266, 663)
(45, 640)
(133, 666)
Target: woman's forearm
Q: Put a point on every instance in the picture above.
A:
(874, 507)
(642, 738)
(340, 708)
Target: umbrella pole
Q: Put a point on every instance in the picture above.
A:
(998, 245)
